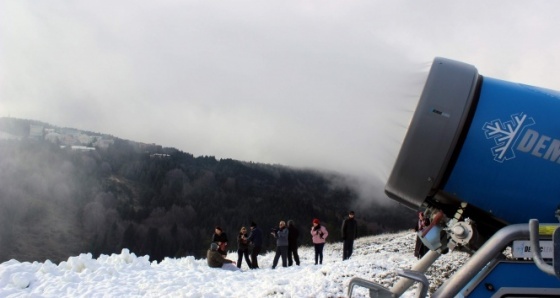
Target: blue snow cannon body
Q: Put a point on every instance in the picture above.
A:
(481, 159)
(490, 143)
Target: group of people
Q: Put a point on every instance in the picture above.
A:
(216, 255)
(249, 244)
(286, 242)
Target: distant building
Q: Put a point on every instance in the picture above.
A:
(67, 139)
(52, 137)
(36, 131)
(85, 139)
(79, 148)
(82, 148)
(104, 143)
(6, 136)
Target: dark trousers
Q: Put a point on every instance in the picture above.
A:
(347, 248)
(281, 251)
(292, 250)
(240, 254)
(420, 249)
(319, 252)
(254, 254)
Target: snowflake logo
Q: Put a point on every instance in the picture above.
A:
(505, 134)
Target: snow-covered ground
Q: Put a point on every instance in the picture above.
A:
(375, 258)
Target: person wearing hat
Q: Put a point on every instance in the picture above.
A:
(216, 260)
(256, 241)
(349, 233)
(318, 236)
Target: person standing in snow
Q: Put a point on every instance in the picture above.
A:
(221, 239)
(256, 241)
(419, 248)
(349, 233)
(293, 235)
(318, 236)
(216, 260)
(281, 235)
(242, 248)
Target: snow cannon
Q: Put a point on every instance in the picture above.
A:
(491, 144)
(481, 159)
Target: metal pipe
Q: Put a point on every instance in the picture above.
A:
(421, 266)
(375, 290)
(417, 277)
(535, 248)
(489, 251)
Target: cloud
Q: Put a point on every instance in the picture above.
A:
(323, 84)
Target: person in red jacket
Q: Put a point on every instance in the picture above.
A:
(318, 235)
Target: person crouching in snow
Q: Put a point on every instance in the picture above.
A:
(217, 260)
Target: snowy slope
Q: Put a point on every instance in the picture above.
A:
(127, 275)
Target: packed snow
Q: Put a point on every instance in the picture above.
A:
(375, 258)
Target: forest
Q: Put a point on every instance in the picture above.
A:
(56, 202)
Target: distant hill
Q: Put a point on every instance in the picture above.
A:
(65, 191)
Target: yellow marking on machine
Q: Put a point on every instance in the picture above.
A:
(547, 229)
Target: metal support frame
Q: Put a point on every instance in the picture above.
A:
(488, 252)
(535, 249)
(415, 274)
(375, 290)
(417, 277)
(379, 291)
(421, 266)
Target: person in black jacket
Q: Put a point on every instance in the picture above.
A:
(243, 248)
(419, 248)
(349, 233)
(256, 241)
(221, 239)
(292, 243)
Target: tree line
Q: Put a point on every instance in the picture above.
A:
(56, 202)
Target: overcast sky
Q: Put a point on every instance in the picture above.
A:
(322, 84)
